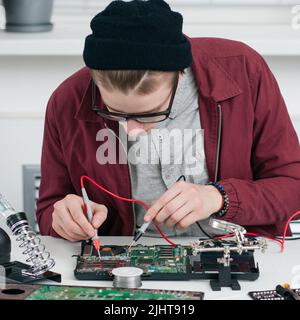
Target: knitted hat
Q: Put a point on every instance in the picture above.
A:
(137, 35)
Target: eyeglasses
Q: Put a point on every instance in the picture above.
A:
(139, 117)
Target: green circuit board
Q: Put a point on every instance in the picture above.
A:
(159, 258)
(58, 292)
(69, 293)
(152, 259)
(160, 262)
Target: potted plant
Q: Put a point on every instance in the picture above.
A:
(28, 15)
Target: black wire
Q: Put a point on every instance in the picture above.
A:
(290, 239)
(182, 177)
(208, 235)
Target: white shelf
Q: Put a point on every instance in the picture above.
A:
(270, 40)
(67, 38)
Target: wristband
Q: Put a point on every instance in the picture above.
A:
(225, 207)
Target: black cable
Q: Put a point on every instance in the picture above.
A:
(182, 177)
(289, 239)
(208, 235)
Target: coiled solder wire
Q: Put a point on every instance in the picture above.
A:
(127, 277)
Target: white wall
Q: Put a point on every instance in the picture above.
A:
(25, 86)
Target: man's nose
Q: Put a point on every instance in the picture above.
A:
(134, 128)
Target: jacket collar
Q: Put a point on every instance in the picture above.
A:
(213, 81)
(85, 111)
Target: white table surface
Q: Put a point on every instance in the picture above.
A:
(275, 267)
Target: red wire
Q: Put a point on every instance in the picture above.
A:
(281, 242)
(257, 235)
(286, 227)
(124, 199)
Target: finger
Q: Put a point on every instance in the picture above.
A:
(170, 208)
(57, 228)
(75, 207)
(187, 220)
(66, 221)
(69, 236)
(99, 214)
(60, 230)
(180, 214)
(163, 200)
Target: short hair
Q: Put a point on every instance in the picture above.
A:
(141, 82)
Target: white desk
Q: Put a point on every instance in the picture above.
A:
(275, 267)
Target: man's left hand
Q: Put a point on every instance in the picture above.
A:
(183, 204)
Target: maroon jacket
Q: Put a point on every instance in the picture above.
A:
(259, 153)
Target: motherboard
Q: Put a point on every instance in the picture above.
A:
(160, 262)
(58, 292)
(169, 261)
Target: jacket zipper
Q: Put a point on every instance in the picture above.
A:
(219, 110)
(130, 175)
(132, 203)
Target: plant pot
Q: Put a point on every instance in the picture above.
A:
(28, 15)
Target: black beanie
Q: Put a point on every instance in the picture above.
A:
(137, 35)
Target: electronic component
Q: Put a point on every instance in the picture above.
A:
(153, 260)
(162, 262)
(221, 260)
(273, 295)
(287, 293)
(47, 292)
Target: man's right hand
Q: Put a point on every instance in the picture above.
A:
(70, 221)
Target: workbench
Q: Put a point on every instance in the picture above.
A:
(275, 267)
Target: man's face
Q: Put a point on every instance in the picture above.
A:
(117, 101)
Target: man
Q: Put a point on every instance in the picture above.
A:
(146, 79)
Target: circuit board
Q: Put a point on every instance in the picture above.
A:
(269, 295)
(159, 262)
(51, 292)
(154, 260)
